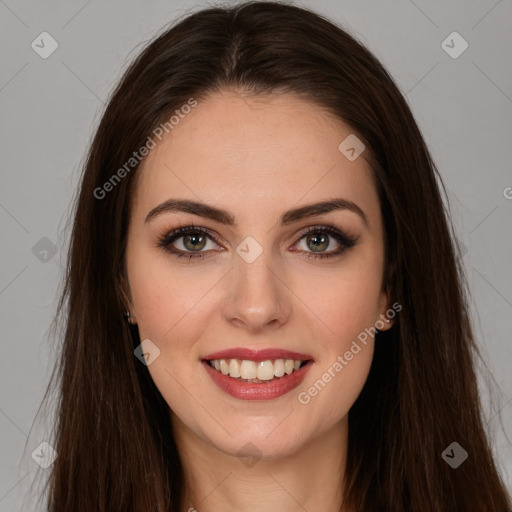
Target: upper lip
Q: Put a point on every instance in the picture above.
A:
(257, 355)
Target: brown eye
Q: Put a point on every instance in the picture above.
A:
(188, 242)
(317, 242)
(195, 242)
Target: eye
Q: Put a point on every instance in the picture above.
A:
(316, 240)
(196, 242)
(191, 242)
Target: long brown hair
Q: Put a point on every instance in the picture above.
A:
(113, 434)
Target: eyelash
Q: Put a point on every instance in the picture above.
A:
(345, 241)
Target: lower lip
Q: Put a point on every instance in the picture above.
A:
(261, 390)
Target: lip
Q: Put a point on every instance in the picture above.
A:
(258, 390)
(256, 355)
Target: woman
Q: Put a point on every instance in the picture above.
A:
(263, 305)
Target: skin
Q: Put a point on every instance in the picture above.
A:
(257, 157)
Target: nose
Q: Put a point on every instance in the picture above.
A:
(257, 299)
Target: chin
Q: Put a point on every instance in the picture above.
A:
(260, 445)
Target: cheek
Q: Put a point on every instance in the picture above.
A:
(348, 304)
(329, 395)
(164, 297)
(170, 310)
(349, 312)
(346, 301)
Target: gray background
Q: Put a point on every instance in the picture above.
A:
(50, 107)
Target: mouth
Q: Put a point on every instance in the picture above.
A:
(256, 372)
(257, 375)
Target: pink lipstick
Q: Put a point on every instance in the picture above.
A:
(226, 368)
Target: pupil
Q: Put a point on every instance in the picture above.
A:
(320, 242)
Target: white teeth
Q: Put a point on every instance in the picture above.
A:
(259, 371)
(224, 368)
(248, 370)
(265, 370)
(234, 368)
(279, 368)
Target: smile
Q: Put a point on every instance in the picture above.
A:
(246, 370)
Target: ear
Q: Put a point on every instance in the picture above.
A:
(124, 291)
(387, 312)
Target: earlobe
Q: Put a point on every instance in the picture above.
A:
(383, 323)
(130, 318)
(385, 320)
(126, 296)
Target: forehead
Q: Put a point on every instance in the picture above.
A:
(258, 154)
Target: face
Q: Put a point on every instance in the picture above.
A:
(254, 271)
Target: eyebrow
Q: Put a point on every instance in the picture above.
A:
(224, 217)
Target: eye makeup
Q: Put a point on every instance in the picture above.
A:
(312, 233)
